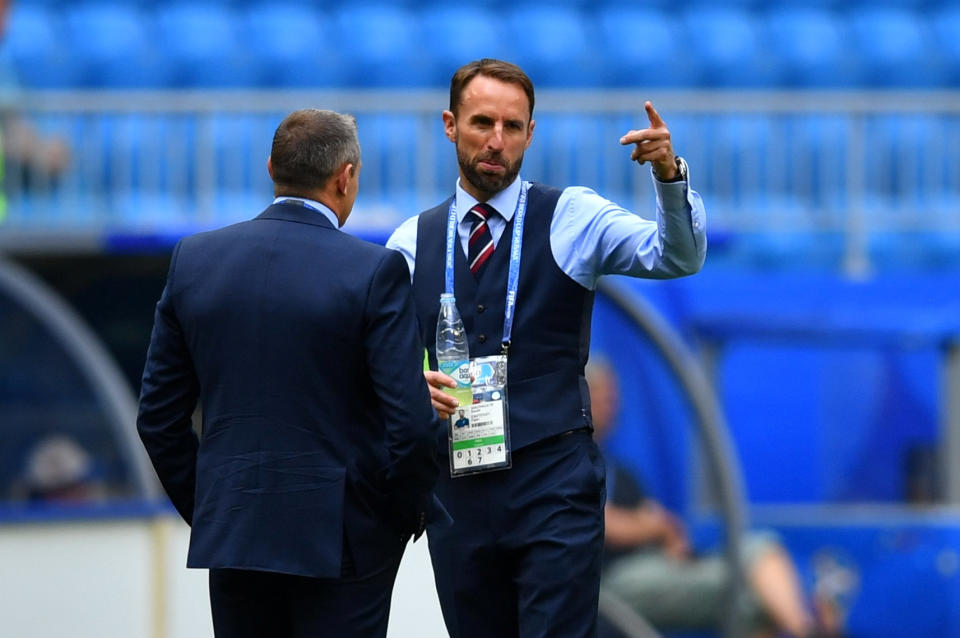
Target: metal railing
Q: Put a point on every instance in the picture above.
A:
(850, 165)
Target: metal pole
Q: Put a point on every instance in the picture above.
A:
(621, 615)
(856, 261)
(93, 360)
(950, 416)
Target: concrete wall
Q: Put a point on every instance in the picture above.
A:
(126, 578)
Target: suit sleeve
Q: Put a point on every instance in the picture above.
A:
(591, 236)
(168, 397)
(394, 355)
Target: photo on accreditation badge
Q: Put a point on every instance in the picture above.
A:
(488, 372)
(461, 420)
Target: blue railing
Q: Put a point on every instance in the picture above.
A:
(836, 178)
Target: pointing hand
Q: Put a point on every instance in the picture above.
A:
(653, 145)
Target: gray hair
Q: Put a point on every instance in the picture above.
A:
(309, 146)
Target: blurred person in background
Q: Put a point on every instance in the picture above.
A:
(648, 561)
(523, 556)
(58, 470)
(29, 161)
(317, 452)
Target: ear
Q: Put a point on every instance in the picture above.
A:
(270, 166)
(343, 177)
(529, 134)
(450, 126)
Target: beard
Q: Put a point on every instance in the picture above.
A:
(488, 183)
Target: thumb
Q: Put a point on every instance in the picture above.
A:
(653, 116)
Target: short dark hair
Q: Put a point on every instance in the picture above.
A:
(308, 148)
(489, 67)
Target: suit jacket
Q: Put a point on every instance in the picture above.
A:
(301, 345)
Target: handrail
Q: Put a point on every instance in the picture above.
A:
(721, 455)
(94, 362)
(624, 618)
(771, 164)
(433, 100)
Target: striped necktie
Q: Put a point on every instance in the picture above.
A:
(480, 244)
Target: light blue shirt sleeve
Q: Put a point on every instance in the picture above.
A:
(591, 236)
(404, 239)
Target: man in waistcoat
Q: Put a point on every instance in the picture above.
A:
(523, 259)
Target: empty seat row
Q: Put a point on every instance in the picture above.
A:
(98, 44)
(660, 4)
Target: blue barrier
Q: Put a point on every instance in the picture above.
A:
(14, 514)
(831, 386)
(901, 565)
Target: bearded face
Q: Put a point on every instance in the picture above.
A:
(491, 129)
(488, 171)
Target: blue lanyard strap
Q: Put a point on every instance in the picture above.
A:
(516, 246)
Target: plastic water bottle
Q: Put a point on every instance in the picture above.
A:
(453, 355)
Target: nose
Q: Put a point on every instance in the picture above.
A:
(495, 141)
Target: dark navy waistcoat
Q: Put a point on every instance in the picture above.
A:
(546, 390)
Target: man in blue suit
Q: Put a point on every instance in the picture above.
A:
(318, 446)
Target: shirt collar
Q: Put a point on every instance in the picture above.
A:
(313, 205)
(505, 202)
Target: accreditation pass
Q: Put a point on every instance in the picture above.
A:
(480, 433)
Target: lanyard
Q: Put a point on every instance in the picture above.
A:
(515, 248)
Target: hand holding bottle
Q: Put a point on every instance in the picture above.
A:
(443, 403)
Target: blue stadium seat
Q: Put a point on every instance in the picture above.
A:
(35, 43)
(906, 5)
(816, 148)
(553, 45)
(575, 145)
(946, 25)
(635, 42)
(896, 49)
(455, 35)
(390, 141)
(728, 47)
(898, 151)
(806, 4)
(743, 141)
(44, 4)
(382, 43)
(111, 42)
(809, 44)
(241, 144)
(720, 4)
(203, 43)
(292, 44)
(138, 153)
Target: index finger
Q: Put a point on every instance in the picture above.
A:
(438, 379)
(654, 117)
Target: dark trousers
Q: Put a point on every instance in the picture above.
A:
(252, 604)
(522, 558)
